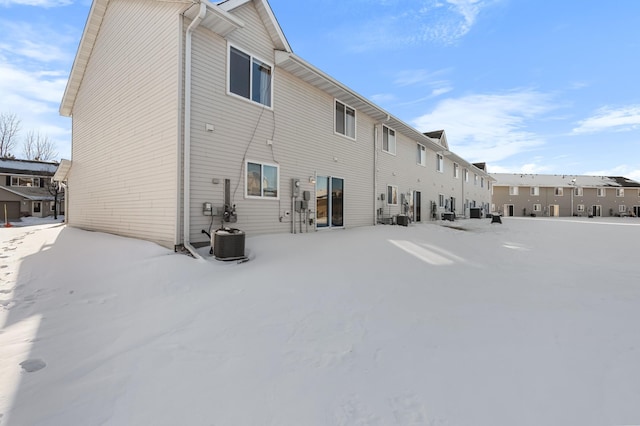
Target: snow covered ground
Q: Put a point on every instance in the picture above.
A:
(532, 322)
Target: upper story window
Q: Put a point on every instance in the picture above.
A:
(388, 140)
(475, 178)
(422, 155)
(534, 190)
(249, 77)
(559, 191)
(577, 191)
(456, 170)
(346, 120)
(263, 180)
(619, 192)
(513, 190)
(466, 175)
(439, 163)
(25, 181)
(601, 192)
(481, 182)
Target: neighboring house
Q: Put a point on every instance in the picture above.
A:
(181, 112)
(565, 195)
(24, 189)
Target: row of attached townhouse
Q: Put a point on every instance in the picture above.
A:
(565, 195)
(185, 114)
(25, 189)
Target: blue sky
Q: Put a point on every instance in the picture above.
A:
(535, 86)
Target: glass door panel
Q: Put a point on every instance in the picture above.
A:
(329, 202)
(322, 201)
(337, 196)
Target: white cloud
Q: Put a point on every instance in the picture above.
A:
(402, 24)
(530, 168)
(489, 127)
(383, 98)
(606, 118)
(622, 170)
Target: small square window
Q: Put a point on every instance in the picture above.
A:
(534, 191)
(537, 207)
(262, 180)
(601, 192)
(513, 190)
(619, 192)
(559, 192)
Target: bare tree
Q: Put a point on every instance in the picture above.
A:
(9, 128)
(38, 147)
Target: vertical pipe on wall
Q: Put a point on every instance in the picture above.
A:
(187, 133)
(375, 174)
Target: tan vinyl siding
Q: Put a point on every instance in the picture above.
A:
(124, 177)
(300, 126)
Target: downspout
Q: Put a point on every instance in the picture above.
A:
(375, 175)
(186, 168)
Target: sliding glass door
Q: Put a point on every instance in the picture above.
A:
(329, 202)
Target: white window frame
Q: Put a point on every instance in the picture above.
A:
(559, 191)
(33, 207)
(456, 171)
(441, 200)
(466, 175)
(475, 179)
(262, 195)
(481, 182)
(622, 208)
(534, 191)
(619, 192)
(347, 109)
(440, 163)
(580, 208)
(514, 190)
(27, 182)
(389, 138)
(578, 192)
(253, 60)
(422, 155)
(392, 195)
(537, 207)
(601, 192)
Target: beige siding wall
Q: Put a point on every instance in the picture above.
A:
(403, 171)
(125, 125)
(300, 126)
(609, 204)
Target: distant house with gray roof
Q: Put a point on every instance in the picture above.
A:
(24, 188)
(564, 195)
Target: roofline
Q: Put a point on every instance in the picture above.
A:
(85, 47)
(317, 77)
(28, 197)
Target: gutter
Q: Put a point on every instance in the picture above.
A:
(186, 169)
